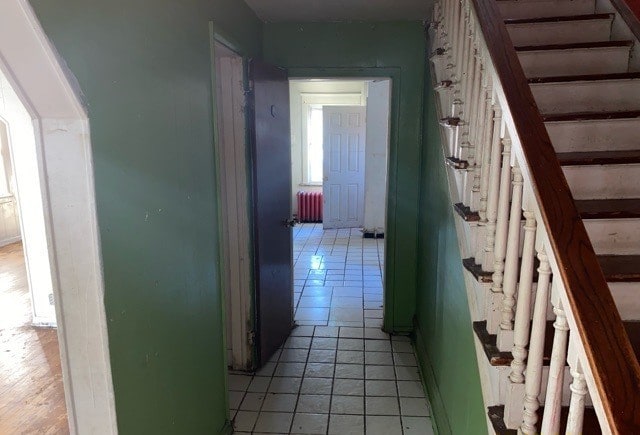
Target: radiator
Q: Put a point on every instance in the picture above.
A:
(309, 206)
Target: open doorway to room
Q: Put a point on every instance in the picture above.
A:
(47, 131)
(339, 147)
(32, 396)
(334, 369)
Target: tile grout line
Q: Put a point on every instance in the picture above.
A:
(295, 408)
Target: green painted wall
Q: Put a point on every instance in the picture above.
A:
(145, 69)
(389, 49)
(444, 337)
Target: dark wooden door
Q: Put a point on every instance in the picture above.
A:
(271, 207)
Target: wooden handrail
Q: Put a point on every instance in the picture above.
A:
(608, 350)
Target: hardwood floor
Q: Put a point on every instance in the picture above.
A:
(31, 391)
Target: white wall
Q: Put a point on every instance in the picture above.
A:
(28, 184)
(323, 92)
(376, 150)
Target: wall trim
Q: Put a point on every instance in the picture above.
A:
(10, 240)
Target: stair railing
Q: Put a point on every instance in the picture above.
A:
(511, 174)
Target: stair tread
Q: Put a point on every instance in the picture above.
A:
(609, 208)
(559, 18)
(620, 268)
(616, 268)
(591, 424)
(575, 45)
(586, 78)
(466, 213)
(498, 358)
(578, 158)
(586, 116)
(487, 277)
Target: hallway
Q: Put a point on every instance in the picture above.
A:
(31, 391)
(338, 373)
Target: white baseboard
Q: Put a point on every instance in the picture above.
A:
(10, 240)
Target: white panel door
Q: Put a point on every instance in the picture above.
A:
(343, 166)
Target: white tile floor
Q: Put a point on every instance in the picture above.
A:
(338, 373)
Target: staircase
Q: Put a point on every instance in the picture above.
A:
(539, 103)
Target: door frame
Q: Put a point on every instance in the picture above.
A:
(391, 291)
(238, 308)
(50, 95)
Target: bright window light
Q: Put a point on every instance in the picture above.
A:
(5, 164)
(314, 145)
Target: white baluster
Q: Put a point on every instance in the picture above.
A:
(452, 54)
(533, 379)
(487, 128)
(493, 187)
(513, 248)
(578, 395)
(500, 245)
(463, 62)
(473, 148)
(459, 53)
(523, 310)
(477, 143)
(553, 399)
(514, 407)
(481, 170)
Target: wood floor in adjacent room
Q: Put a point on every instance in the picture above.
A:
(31, 391)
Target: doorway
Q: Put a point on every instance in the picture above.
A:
(339, 148)
(337, 358)
(46, 121)
(32, 396)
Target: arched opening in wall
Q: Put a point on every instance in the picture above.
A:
(42, 114)
(30, 372)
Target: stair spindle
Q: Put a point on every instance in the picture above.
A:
(523, 310)
(576, 405)
(533, 379)
(487, 132)
(513, 248)
(478, 141)
(502, 223)
(553, 400)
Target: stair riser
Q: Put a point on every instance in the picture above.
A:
(614, 236)
(625, 295)
(598, 135)
(604, 181)
(564, 32)
(599, 96)
(547, 63)
(518, 9)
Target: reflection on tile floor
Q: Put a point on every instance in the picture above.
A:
(338, 373)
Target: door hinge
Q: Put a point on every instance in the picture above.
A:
(251, 338)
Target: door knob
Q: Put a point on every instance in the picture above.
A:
(290, 222)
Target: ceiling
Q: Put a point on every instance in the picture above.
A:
(340, 10)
